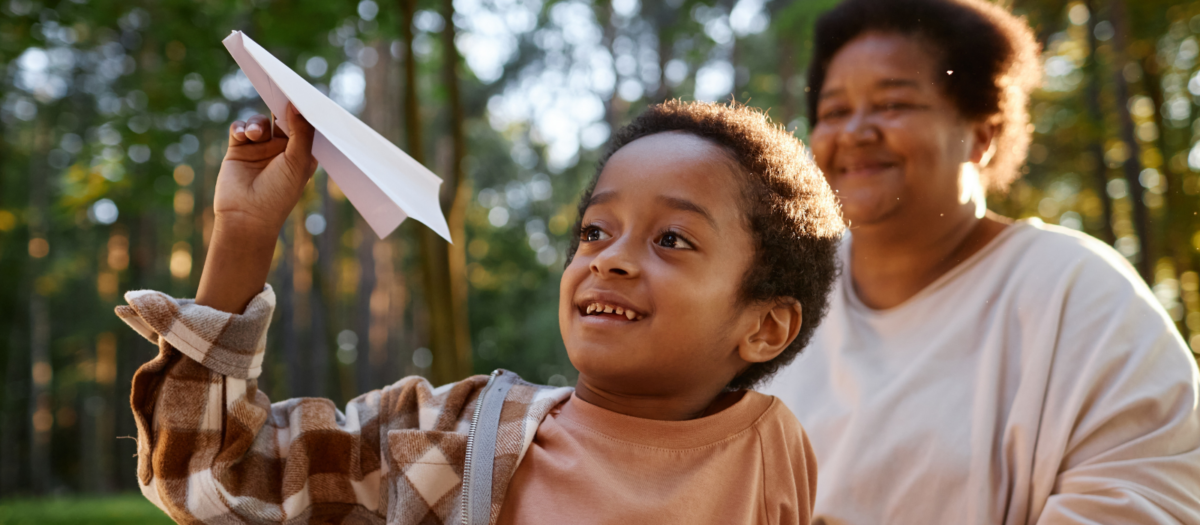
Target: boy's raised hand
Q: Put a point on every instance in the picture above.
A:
(260, 182)
(262, 177)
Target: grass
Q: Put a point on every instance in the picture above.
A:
(124, 509)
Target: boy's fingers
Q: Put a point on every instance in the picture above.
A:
(257, 128)
(237, 133)
(300, 141)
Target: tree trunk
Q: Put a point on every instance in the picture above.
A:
(10, 423)
(381, 310)
(787, 69)
(42, 419)
(1133, 164)
(400, 338)
(664, 55)
(604, 15)
(1095, 127)
(202, 189)
(289, 340)
(454, 202)
(323, 295)
(440, 263)
(363, 376)
(96, 428)
(15, 419)
(1178, 223)
(735, 58)
(662, 18)
(371, 324)
(115, 417)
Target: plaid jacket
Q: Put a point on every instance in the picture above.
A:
(213, 449)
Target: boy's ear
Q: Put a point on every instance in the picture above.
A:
(778, 324)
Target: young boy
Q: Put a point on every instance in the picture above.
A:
(704, 256)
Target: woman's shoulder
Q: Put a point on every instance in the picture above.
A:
(1060, 254)
(1057, 275)
(1091, 284)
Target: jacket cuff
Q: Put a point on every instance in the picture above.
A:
(229, 344)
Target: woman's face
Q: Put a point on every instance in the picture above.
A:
(891, 144)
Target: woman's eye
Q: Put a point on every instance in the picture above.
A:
(592, 234)
(896, 106)
(673, 240)
(833, 114)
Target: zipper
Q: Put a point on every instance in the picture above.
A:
(466, 493)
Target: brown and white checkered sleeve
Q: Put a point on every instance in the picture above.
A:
(228, 344)
(213, 449)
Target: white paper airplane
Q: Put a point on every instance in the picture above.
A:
(383, 183)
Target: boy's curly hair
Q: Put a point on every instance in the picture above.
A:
(993, 54)
(791, 213)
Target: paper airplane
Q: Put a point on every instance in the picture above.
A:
(383, 183)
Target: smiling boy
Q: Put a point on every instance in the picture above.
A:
(704, 256)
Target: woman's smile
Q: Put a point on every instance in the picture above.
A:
(863, 168)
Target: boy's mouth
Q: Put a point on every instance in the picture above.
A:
(609, 310)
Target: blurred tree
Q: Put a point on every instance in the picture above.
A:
(113, 118)
(1133, 160)
(1095, 123)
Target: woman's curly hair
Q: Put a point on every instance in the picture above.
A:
(993, 54)
(791, 213)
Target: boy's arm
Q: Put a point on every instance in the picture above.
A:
(789, 467)
(213, 449)
(262, 178)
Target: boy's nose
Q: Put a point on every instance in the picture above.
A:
(615, 261)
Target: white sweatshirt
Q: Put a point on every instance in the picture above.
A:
(1037, 382)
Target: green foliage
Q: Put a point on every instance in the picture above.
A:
(125, 509)
(147, 93)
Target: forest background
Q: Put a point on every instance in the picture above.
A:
(114, 117)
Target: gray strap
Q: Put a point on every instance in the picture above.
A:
(480, 502)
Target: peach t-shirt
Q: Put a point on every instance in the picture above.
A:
(749, 463)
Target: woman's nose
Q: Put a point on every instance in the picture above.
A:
(858, 129)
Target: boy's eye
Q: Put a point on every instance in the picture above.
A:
(592, 233)
(671, 239)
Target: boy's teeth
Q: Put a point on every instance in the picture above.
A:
(597, 308)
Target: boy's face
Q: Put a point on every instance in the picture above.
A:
(664, 239)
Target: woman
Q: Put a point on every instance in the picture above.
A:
(973, 369)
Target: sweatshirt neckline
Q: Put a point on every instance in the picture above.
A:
(693, 433)
(967, 265)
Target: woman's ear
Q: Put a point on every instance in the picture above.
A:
(983, 146)
(778, 325)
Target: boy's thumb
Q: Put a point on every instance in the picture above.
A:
(300, 140)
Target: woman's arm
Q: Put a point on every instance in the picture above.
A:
(1122, 405)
